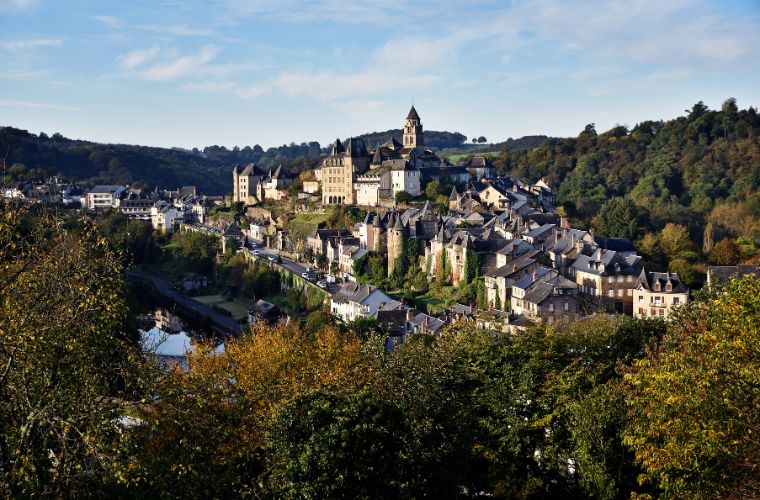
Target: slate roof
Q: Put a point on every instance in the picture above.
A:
(647, 282)
(412, 114)
(353, 292)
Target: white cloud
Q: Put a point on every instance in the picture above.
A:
(110, 21)
(137, 58)
(26, 44)
(154, 64)
(682, 33)
(180, 67)
(178, 30)
(35, 105)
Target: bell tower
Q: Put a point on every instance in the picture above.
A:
(413, 130)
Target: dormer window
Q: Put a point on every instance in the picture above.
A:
(669, 287)
(657, 286)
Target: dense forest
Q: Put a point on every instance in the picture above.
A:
(681, 170)
(602, 407)
(31, 157)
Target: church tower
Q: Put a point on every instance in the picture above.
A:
(413, 130)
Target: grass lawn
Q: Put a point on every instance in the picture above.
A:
(304, 224)
(436, 302)
(237, 309)
(210, 300)
(454, 159)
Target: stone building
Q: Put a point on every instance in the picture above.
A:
(245, 183)
(657, 293)
(339, 171)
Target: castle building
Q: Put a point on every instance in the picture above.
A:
(351, 176)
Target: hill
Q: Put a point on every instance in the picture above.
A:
(698, 168)
(29, 156)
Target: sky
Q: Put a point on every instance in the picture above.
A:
(192, 73)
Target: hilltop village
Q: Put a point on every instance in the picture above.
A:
(500, 237)
(394, 233)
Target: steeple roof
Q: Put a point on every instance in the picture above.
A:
(413, 114)
(338, 148)
(378, 158)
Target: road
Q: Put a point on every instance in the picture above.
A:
(292, 266)
(190, 306)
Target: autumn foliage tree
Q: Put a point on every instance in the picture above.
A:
(65, 361)
(694, 416)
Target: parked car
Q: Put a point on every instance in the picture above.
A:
(305, 275)
(272, 258)
(322, 284)
(257, 252)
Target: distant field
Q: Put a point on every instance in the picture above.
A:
(458, 157)
(302, 225)
(237, 309)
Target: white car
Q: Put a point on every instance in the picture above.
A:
(257, 252)
(322, 284)
(272, 258)
(305, 276)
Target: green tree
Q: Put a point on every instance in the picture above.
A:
(674, 239)
(693, 401)
(432, 190)
(442, 271)
(402, 197)
(619, 218)
(327, 446)
(471, 266)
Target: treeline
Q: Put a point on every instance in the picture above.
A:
(603, 407)
(678, 170)
(34, 157)
(433, 139)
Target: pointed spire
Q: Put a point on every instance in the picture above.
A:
(398, 225)
(413, 114)
(378, 158)
(454, 195)
(277, 172)
(425, 209)
(643, 278)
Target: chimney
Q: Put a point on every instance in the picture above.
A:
(535, 275)
(409, 315)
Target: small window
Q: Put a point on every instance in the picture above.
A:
(675, 300)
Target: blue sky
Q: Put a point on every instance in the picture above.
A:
(232, 72)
